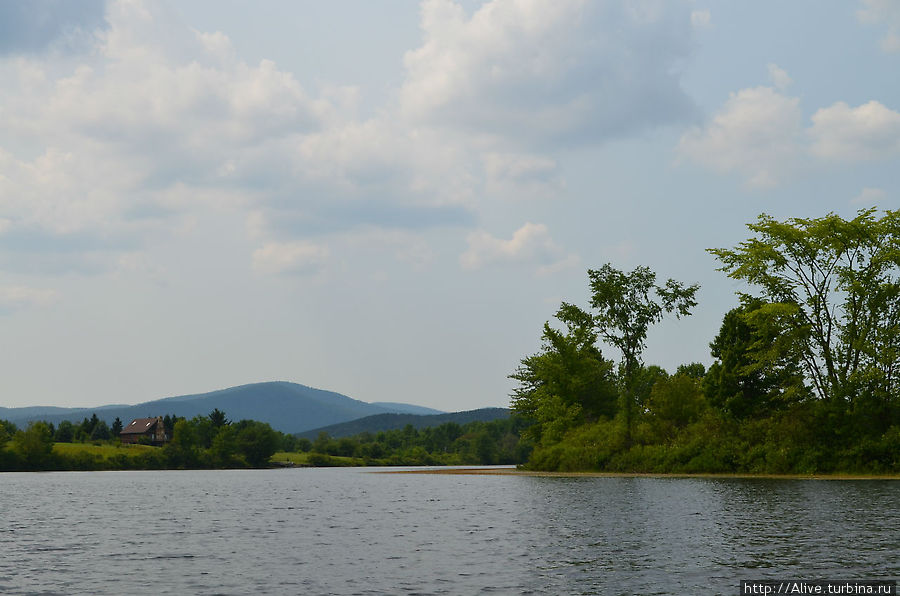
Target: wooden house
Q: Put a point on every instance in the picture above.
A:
(152, 428)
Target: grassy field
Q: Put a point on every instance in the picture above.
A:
(105, 451)
(315, 459)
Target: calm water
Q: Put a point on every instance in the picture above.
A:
(349, 531)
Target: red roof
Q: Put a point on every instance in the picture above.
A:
(139, 426)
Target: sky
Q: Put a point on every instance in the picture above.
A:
(389, 199)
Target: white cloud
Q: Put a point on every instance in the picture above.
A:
(870, 131)
(18, 297)
(883, 12)
(114, 141)
(290, 257)
(530, 244)
(779, 77)
(759, 133)
(756, 133)
(543, 71)
(869, 196)
(109, 149)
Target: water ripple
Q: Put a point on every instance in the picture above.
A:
(351, 532)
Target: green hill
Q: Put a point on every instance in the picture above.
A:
(382, 422)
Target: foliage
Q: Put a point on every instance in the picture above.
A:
(7, 430)
(566, 384)
(757, 369)
(255, 441)
(65, 432)
(805, 378)
(495, 442)
(624, 305)
(836, 286)
(34, 445)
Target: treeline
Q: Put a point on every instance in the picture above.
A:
(474, 443)
(200, 442)
(207, 442)
(806, 372)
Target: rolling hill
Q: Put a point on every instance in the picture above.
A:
(381, 422)
(288, 407)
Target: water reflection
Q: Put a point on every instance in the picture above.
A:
(352, 532)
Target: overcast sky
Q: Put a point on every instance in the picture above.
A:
(388, 199)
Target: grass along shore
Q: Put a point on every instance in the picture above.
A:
(540, 474)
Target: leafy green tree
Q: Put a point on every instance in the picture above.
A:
(323, 442)
(257, 442)
(182, 451)
(346, 447)
(624, 305)
(834, 283)
(34, 445)
(116, 428)
(645, 379)
(677, 400)
(86, 428)
(566, 384)
(757, 368)
(7, 430)
(101, 431)
(224, 448)
(204, 431)
(695, 370)
(485, 448)
(288, 443)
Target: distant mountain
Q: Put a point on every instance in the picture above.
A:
(382, 422)
(406, 408)
(288, 407)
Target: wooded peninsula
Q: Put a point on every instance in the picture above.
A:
(805, 377)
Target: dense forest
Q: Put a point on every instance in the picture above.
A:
(214, 442)
(474, 443)
(806, 376)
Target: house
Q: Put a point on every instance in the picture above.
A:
(145, 430)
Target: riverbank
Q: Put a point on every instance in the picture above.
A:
(540, 474)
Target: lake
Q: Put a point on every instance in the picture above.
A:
(351, 531)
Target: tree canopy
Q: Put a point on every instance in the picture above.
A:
(833, 285)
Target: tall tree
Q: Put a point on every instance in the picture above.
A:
(256, 441)
(624, 305)
(35, 445)
(567, 383)
(65, 432)
(834, 284)
(101, 431)
(757, 367)
(217, 417)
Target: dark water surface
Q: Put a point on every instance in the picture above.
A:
(349, 531)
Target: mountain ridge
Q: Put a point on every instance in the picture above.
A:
(286, 406)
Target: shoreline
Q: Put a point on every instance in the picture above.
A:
(543, 474)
